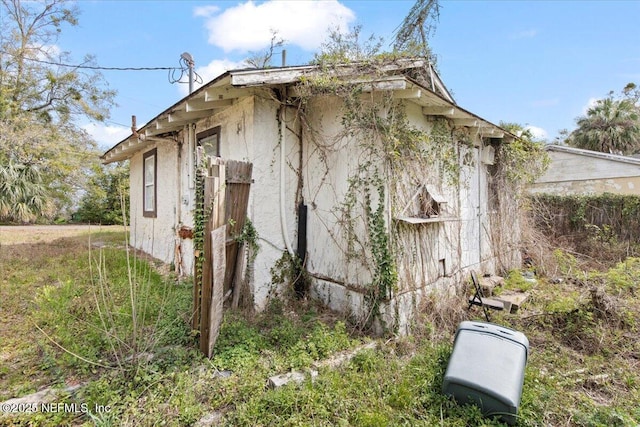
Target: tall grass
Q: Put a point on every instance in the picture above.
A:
(115, 314)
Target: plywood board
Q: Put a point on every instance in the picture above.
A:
(218, 267)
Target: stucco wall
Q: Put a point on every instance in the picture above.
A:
(572, 173)
(264, 206)
(238, 141)
(431, 256)
(622, 186)
(155, 236)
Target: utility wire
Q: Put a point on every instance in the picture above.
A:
(93, 67)
(172, 70)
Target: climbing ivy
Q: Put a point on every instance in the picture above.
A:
(385, 274)
(389, 146)
(249, 236)
(386, 140)
(199, 218)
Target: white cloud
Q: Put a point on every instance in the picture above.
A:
(248, 26)
(205, 11)
(537, 132)
(106, 135)
(525, 34)
(210, 72)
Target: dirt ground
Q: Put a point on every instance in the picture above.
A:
(17, 234)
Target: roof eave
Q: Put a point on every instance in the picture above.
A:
(220, 93)
(595, 154)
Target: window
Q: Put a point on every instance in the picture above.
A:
(149, 183)
(209, 140)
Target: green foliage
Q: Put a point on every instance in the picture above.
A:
(515, 280)
(577, 353)
(40, 103)
(22, 193)
(49, 94)
(610, 126)
(288, 270)
(385, 274)
(288, 344)
(523, 160)
(120, 315)
(567, 263)
(249, 236)
(623, 277)
(106, 200)
(340, 48)
(605, 226)
(372, 389)
(62, 154)
(199, 219)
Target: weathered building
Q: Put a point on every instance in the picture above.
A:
(374, 175)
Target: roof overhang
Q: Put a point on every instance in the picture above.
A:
(223, 91)
(206, 101)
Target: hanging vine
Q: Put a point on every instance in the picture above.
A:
(387, 142)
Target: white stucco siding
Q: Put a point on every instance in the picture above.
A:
(236, 129)
(155, 236)
(329, 162)
(428, 256)
(429, 251)
(264, 205)
(249, 131)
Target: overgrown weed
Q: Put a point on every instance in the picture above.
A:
(582, 368)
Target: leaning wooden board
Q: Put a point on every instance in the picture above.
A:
(218, 267)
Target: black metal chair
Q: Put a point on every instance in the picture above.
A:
(478, 299)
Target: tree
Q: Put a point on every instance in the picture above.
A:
(612, 125)
(263, 59)
(41, 98)
(22, 195)
(414, 32)
(106, 195)
(30, 79)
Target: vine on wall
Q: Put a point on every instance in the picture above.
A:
(391, 157)
(386, 142)
(199, 218)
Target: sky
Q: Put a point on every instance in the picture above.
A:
(536, 63)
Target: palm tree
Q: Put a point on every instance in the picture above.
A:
(610, 126)
(22, 193)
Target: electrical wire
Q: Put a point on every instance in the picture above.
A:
(184, 68)
(173, 71)
(91, 67)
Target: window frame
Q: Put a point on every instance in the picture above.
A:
(150, 213)
(216, 130)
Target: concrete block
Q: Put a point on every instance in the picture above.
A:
(514, 299)
(488, 284)
(293, 376)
